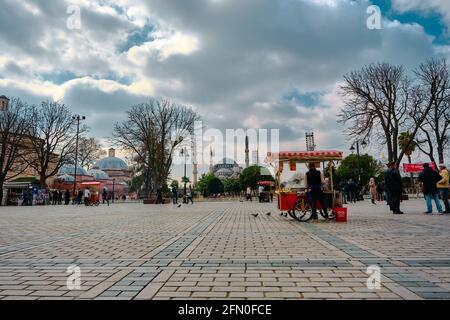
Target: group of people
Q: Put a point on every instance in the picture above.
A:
(58, 197)
(188, 197)
(84, 196)
(434, 185)
(350, 191)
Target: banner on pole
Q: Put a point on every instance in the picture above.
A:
(416, 167)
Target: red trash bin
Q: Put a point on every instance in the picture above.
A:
(341, 214)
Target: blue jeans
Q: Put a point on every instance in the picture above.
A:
(435, 197)
(444, 195)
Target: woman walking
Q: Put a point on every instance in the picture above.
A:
(373, 190)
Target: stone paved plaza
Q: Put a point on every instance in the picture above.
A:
(219, 250)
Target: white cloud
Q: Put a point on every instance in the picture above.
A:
(232, 60)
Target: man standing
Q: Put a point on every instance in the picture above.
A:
(87, 196)
(443, 186)
(174, 195)
(105, 197)
(314, 182)
(344, 187)
(261, 193)
(189, 196)
(429, 179)
(394, 187)
(352, 191)
(159, 196)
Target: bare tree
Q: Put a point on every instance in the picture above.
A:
(381, 101)
(435, 82)
(54, 137)
(89, 151)
(14, 141)
(152, 132)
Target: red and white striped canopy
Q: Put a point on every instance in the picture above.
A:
(304, 156)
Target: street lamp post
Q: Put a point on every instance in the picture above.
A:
(76, 118)
(363, 144)
(113, 190)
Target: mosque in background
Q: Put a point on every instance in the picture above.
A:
(228, 168)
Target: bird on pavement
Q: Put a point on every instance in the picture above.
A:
(255, 214)
(179, 206)
(268, 213)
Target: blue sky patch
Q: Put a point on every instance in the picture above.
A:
(137, 37)
(431, 21)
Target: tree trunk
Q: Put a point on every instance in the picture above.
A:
(440, 152)
(413, 185)
(1, 193)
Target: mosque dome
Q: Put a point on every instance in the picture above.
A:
(70, 170)
(111, 163)
(224, 173)
(99, 174)
(66, 178)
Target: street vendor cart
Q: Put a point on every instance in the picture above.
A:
(294, 199)
(268, 188)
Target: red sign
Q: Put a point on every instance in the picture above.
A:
(416, 167)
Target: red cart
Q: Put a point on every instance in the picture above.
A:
(296, 201)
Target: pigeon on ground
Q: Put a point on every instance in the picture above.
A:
(179, 206)
(255, 214)
(268, 213)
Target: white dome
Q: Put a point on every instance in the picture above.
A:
(99, 174)
(111, 163)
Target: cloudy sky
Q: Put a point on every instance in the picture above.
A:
(239, 63)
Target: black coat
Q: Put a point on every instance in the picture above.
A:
(393, 181)
(429, 178)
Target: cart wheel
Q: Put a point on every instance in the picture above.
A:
(331, 214)
(302, 211)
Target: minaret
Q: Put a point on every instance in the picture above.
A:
(247, 151)
(211, 168)
(194, 164)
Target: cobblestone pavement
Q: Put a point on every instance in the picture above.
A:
(219, 250)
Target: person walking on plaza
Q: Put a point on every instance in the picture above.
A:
(314, 182)
(352, 191)
(79, 197)
(54, 197)
(67, 197)
(344, 187)
(261, 193)
(174, 195)
(429, 178)
(248, 194)
(105, 197)
(380, 191)
(394, 186)
(189, 196)
(87, 196)
(159, 197)
(443, 186)
(60, 197)
(373, 190)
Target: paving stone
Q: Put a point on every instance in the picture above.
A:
(215, 250)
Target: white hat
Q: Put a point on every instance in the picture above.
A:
(442, 165)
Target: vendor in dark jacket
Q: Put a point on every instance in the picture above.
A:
(314, 181)
(429, 178)
(394, 186)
